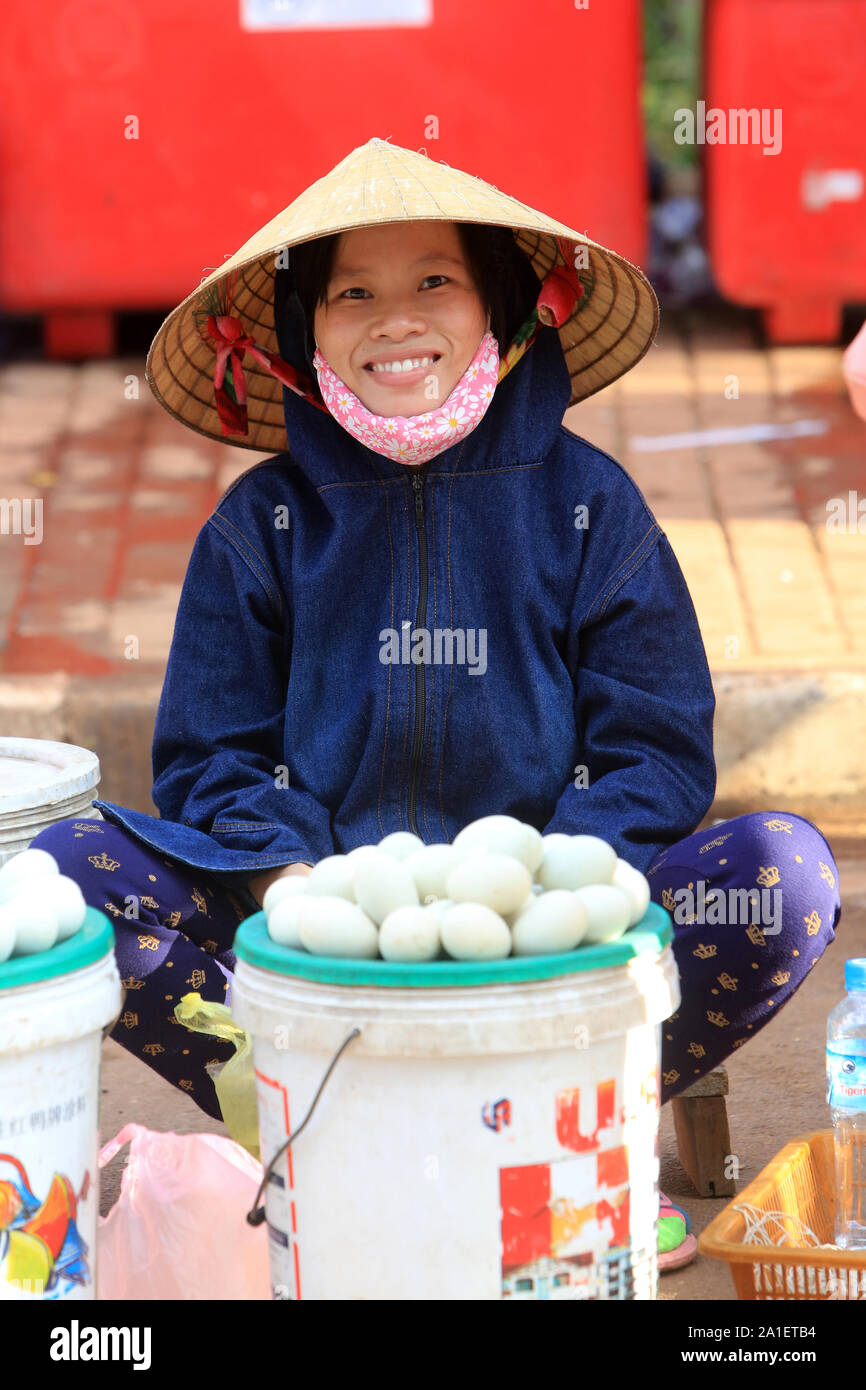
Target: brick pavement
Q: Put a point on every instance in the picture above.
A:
(772, 586)
(125, 490)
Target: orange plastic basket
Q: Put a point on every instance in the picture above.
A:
(800, 1184)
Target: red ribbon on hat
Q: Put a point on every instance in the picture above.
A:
(560, 290)
(231, 342)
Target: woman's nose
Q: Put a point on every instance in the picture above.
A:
(397, 322)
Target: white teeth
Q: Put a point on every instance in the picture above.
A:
(410, 364)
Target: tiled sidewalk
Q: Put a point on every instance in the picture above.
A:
(772, 586)
(125, 490)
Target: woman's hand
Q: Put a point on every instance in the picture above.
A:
(259, 885)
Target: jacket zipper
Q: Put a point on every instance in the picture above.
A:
(417, 481)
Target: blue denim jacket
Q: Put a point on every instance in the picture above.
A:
(577, 695)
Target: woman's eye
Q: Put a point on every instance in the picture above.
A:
(352, 290)
(443, 278)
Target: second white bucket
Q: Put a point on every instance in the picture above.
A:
(42, 782)
(490, 1133)
(53, 1008)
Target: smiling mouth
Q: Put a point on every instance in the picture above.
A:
(398, 368)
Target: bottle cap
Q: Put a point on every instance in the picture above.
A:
(855, 973)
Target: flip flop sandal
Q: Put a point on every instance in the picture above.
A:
(676, 1245)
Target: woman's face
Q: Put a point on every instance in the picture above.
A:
(400, 292)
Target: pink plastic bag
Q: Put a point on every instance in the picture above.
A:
(178, 1229)
(854, 372)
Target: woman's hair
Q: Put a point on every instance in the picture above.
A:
(506, 283)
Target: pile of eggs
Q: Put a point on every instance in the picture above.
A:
(39, 906)
(500, 889)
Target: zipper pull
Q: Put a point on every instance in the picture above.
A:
(418, 488)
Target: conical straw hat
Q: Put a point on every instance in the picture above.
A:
(610, 328)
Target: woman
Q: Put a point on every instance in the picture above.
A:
(441, 509)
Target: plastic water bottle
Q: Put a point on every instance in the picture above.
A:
(846, 1096)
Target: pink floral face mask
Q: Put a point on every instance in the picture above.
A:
(414, 439)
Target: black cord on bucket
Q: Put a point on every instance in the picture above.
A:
(256, 1215)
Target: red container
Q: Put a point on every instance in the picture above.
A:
(141, 145)
(787, 231)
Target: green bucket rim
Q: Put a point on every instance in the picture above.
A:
(253, 946)
(93, 940)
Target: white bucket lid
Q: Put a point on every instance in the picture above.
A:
(36, 772)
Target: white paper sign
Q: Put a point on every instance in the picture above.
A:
(334, 14)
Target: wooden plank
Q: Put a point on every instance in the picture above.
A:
(704, 1142)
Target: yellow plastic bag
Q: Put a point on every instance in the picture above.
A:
(234, 1080)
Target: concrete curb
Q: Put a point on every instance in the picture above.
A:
(793, 740)
(788, 740)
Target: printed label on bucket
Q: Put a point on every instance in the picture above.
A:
(567, 1225)
(846, 1081)
(45, 1247)
(560, 1237)
(41, 1249)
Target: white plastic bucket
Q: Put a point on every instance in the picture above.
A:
(42, 782)
(53, 1008)
(476, 1141)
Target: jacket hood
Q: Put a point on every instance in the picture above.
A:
(520, 425)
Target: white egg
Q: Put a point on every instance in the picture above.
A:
(383, 884)
(497, 880)
(400, 844)
(470, 852)
(334, 927)
(409, 933)
(535, 892)
(632, 882)
(599, 857)
(7, 932)
(438, 907)
(503, 835)
(430, 867)
(533, 848)
(549, 842)
(471, 931)
(333, 877)
(35, 925)
(288, 887)
(608, 910)
(556, 837)
(62, 897)
(554, 922)
(29, 864)
(361, 852)
(583, 860)
(283, 919)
